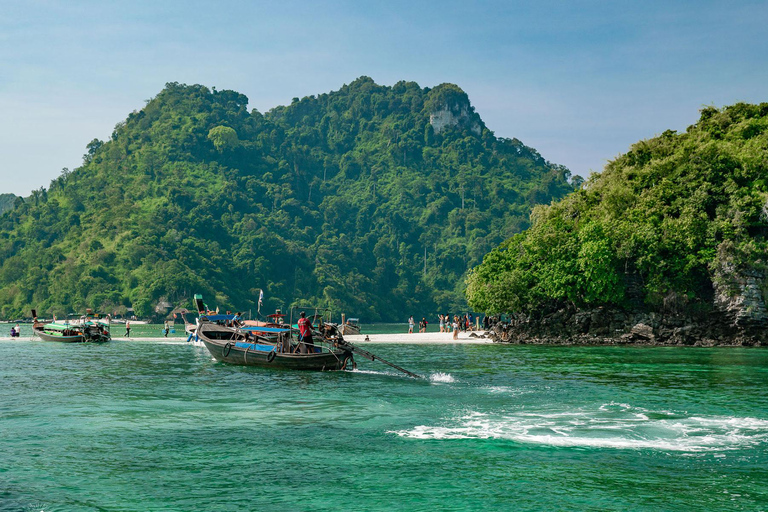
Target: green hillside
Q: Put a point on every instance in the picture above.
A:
(662, 227)
(334, 199)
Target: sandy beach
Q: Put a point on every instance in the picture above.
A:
(420, 338)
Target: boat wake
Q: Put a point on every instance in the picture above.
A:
(441, 377)
(375, 372)
(612, 425)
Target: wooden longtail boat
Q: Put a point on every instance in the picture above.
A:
(273, 345)
(86, 332)
(351, 327)
(80, 330)
(238, 345)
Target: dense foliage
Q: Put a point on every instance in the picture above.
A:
(661, 223)
(348, 199)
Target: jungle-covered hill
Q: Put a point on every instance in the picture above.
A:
(335, 199)
(677, 224)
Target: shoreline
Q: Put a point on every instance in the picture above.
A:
(438, 338)
(416, 338)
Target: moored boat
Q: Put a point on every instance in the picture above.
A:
(82, 330)
(85, 332)
(350, 327)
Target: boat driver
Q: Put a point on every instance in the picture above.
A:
(305, 335)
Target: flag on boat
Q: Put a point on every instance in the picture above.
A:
(261, 299)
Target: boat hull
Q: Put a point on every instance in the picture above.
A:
(350, 330)
(60, 338)
(78, 338)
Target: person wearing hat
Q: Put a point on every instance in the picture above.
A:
(305, 335)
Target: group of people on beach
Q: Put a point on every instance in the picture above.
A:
(447, 324)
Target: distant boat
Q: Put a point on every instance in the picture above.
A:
(351, 327)
(76, 332)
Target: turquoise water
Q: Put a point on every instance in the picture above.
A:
(143, 425)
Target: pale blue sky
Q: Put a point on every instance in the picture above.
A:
(579, 81)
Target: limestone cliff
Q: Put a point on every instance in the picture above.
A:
(449, 106)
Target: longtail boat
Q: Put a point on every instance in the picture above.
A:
(93, 332)
(272, 347)
(350, 326)
(277, 345)
(83, 330)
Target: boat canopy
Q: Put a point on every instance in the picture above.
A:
(59, 327)
(218, 318)
(264, 329)
(73, 325)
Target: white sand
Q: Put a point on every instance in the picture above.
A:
(432, 338)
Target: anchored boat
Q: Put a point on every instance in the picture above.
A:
(66, 332)
(77, 330)
(350, 327)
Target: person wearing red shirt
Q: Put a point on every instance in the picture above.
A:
(305, 335)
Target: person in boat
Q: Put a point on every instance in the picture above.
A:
(305, 335)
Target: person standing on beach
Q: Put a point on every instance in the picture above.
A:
(423, 325)
(410, 325)
(455, 327)
(127, 329)
(166, 328)
(442, 322)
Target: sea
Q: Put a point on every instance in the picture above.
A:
(157, 425)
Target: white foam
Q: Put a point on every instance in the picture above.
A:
(618, 426)
(441, 377)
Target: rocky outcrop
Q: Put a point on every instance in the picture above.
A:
(738, 295)
(737, 316)
(448, 117)
(602, 326)
(737, 321)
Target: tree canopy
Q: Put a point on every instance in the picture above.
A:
(661, 223)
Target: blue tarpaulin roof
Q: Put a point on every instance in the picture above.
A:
(217, 318)
(264, 329)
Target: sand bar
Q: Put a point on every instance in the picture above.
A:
(416, 338)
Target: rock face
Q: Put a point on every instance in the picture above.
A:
(738, 318)
(740, 298)
(447, 117)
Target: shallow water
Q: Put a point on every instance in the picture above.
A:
(160, 426)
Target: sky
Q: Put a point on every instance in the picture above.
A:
(580, 81)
